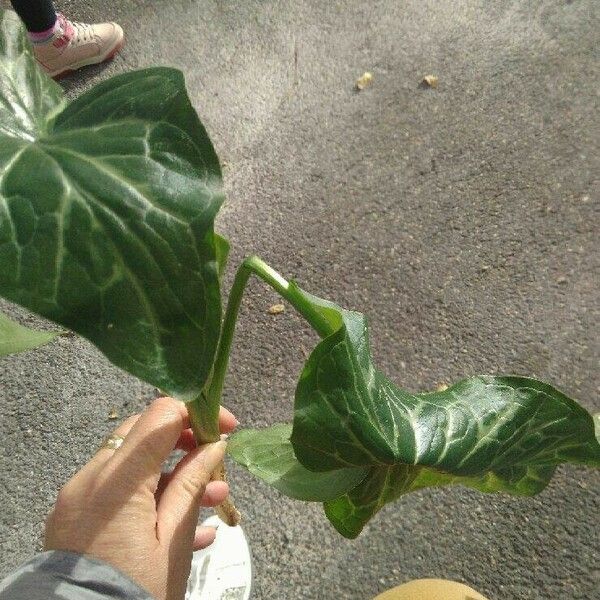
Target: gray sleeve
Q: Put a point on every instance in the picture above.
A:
(67, 576)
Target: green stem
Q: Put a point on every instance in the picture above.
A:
(204, 419)
(254, 265)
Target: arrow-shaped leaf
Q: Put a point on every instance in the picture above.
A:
(106, 215)
(349, 414)
(490, 433)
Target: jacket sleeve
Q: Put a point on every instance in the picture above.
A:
(61, 575)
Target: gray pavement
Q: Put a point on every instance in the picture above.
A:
(463, 220)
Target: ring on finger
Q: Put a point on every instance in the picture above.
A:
(112, 442)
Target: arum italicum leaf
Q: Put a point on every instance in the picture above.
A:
(494, 434)
(106, 215)
(17, 338)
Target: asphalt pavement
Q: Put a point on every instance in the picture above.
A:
(462, 219)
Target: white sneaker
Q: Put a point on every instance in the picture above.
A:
(74, 45)
(223, 571)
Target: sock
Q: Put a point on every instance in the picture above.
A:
(39, 37)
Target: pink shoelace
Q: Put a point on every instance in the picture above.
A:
(67, 30)
(72, 29)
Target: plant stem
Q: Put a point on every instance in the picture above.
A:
(204, 410)
(256, 266)
(204, 419)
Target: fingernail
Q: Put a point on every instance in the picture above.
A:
(213, 455)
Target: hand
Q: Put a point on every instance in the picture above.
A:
(120, 509)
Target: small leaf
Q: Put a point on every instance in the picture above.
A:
(29, 99)
(349, 414)
(16, 338)
(268, 454)
(222, 253)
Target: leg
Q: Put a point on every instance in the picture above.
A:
(38, 15)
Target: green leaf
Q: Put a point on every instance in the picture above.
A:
(351, 512)
(16, 338)
(106, 216)
(268, 454)
(28, 98)
(490, 433)
(222, 254)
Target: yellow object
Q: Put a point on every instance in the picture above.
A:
(276, 309)
(364, 81)
(430, 81)
(431, 589)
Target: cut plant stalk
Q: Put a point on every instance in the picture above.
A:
(204, 411)
(255, 265)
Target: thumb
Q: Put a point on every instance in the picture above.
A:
(179, 504)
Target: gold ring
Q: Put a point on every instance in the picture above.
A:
(112, 442)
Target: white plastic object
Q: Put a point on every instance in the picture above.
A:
(223, 570)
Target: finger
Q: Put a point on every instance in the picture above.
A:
(186, 441)
(227, 422)
(204, 536)
(215, 493)
(150, 441)
(180, 502)
(176, 420)
(97, 462)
